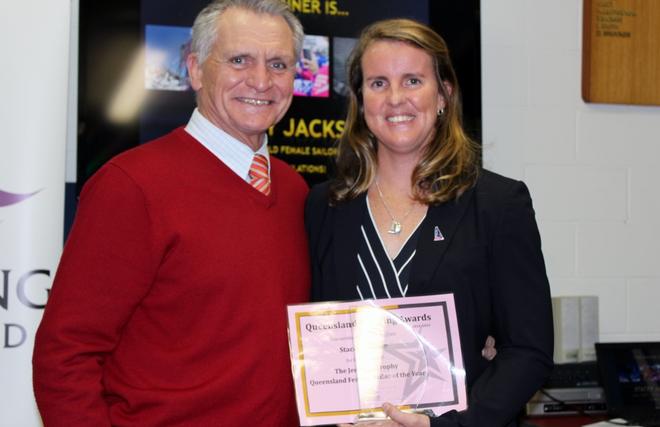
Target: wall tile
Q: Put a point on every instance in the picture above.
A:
(549, 135)
(568, 193)
(612, 307)
(618, 135)
(503, 141)
(558, 243)
(644, 305)
(617, 250)
(645, 197)
(506, 85)
(553, 23)
(505, 22)
(552, 78)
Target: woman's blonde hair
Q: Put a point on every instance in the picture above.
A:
(450, 162)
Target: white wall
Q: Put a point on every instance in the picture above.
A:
(593, 169)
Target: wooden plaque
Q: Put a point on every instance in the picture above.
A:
(621, 52)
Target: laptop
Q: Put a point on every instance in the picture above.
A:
(630, 377)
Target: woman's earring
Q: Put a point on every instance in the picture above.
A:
(441, 111)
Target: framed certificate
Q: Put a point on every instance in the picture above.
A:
(348, 358)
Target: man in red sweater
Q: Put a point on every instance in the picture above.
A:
(168, 307)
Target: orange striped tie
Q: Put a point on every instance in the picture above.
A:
(259, 178)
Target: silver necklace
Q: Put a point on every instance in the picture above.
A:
(395, 226)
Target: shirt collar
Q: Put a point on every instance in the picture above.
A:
(232, 152)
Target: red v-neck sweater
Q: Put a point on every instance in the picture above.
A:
(168, 307)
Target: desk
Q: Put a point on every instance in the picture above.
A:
(563, 421)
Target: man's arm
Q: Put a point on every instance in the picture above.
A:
(106, 268)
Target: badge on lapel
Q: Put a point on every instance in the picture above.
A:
(437, 234)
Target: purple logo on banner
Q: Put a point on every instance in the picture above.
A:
(8, 199)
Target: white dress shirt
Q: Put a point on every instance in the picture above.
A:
(232, 152)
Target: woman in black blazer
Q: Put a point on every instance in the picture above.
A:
(412, 213)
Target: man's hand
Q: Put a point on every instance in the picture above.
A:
(489, 352)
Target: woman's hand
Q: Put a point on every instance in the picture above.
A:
(403, 419)
(397, 419)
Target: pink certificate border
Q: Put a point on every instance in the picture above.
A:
(297, 312)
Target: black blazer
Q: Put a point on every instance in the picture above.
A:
(490, 260)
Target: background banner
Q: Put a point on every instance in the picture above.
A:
(33, 118)
(134, 88)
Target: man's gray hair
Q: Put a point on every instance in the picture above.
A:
(205, 28)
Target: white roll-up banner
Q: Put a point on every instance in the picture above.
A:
(33, 117)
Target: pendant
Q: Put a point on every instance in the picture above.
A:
(395, 227)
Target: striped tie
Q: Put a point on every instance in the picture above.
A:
(259, 174)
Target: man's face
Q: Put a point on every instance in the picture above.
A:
(246, 83)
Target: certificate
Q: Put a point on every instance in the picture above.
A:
(348, 358)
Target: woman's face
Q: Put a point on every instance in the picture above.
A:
(400, 95)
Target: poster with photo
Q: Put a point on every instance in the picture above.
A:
(166, 50)
(313, 68)
(153, 36)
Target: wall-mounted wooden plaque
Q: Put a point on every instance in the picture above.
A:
(621, 51)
